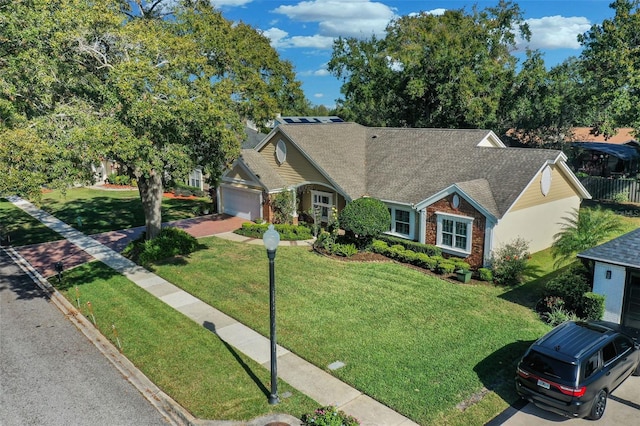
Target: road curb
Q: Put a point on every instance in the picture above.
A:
(173, 412)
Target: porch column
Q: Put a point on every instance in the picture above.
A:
(294, 216)
(422, 221)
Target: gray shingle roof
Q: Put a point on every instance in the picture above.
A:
(623, 251)
(259, 166)
(252, 139)
(339, 150)
(409, 165)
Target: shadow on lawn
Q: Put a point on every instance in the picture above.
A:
(212, 327)
(497, 371)
(529, 293)
(81, 276)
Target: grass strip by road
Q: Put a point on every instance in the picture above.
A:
(423, 346)
(191, 364)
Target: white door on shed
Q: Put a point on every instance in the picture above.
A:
(241, 202)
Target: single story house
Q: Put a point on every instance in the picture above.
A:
(462, 190)
(616, 275)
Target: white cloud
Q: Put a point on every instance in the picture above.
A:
(321, 72)
(280, 40)
(318, 95)
(315, 41)
(341, 18)
(436, 12)
(555, 32)
(277, 36)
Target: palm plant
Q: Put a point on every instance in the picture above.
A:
(585, 228)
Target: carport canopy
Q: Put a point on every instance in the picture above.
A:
(624, 152)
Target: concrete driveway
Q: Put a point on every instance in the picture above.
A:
(623, 408)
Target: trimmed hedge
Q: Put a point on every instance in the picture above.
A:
(434, 263)
(287, 232)
(427, 249)
(183, 190)
(592, 306)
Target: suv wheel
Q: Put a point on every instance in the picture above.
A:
(599, 404)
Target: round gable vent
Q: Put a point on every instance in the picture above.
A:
(545, 182)
(456, 201)
(281, 151)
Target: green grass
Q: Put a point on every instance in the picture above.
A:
(188, 362)
(100, 211)
(22, 228)
(414, 342)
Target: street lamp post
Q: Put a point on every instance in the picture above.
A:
(271, 239)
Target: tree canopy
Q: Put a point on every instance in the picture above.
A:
(449, 70)
(458, 70)
(160, 87)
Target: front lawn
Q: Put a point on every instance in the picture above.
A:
(414, 342)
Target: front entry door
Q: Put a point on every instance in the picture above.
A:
(631, 311)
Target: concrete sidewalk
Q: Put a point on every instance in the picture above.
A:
(305, 377)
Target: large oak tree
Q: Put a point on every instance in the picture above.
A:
(449, 70)
(158, 86)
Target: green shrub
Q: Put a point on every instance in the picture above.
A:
(364, 219)
(120, 180)
(344, 250)
(287, 232)
(570, 285)
(592, 306)
(412, 245)
(620, 197)
(396, 252)
(180, 189)
(459, 263)
(283, 207)
(329, 416)
(380, 247)
(509, 262)
(559, 315)
(485, 274)
(425, 261)
(170, 242)
(445, 267)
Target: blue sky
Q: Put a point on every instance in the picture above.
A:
(303, 31)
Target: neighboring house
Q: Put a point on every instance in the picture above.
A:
(105, 169)
(613, 156)
(616, 275)
(252, 138)
(462, 190)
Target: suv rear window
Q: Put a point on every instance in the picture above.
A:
(536, 362)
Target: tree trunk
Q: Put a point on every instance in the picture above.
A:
(151, 190)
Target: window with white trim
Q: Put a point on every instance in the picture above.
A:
(322, 204)
(401, 222)
(454, 233)
(195, 178)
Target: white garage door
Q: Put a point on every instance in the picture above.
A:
(241, 202)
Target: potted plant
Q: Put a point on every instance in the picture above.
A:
(463, 275)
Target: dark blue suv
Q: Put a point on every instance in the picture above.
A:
(572, 369)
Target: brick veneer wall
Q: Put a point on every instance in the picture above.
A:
(445, 205)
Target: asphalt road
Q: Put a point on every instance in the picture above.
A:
(50, 374)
